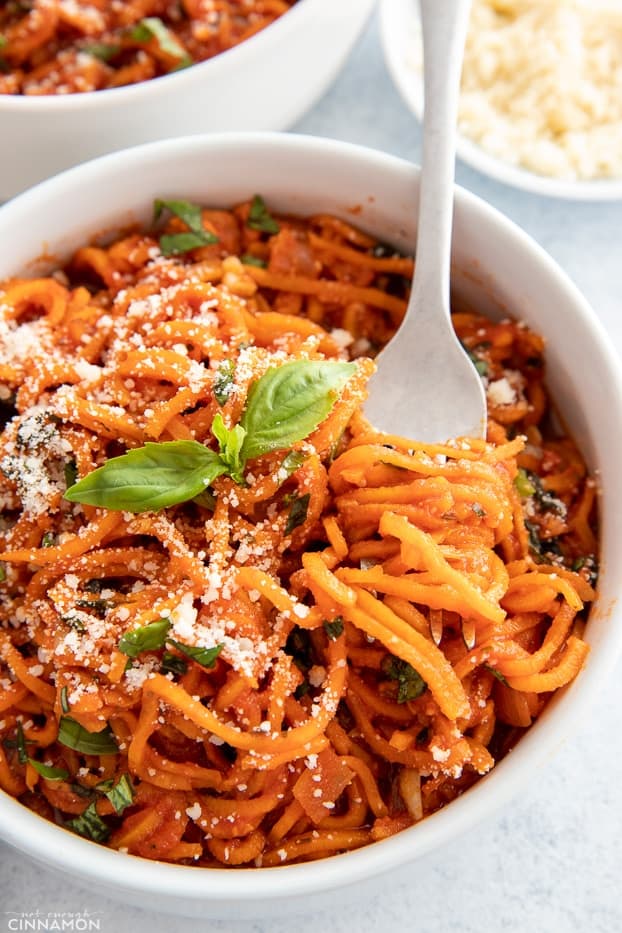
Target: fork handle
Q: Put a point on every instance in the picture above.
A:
(444, 26)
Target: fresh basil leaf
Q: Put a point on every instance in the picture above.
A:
(230, 441)
(334, 628)
(410, 683)
(248, 260)
(90, 825)
(73, 735)
(152, 27)
(259, 218)
(172, 664)
(297, 513)
(121, 795)
(47, 540)
(64, 702)
(223, 381)
(287, 403)
(47, 772)
(147, 638)
(149, 478)
(206, 657)
(71, 473)
(104, 51)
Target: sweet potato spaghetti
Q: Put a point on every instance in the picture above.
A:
(72, 46)
(240, 627)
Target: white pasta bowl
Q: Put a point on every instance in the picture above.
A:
(265, 83)
(496, 267)
(401, 38)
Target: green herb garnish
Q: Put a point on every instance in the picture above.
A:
(121, 795)
(152, 27)
(104, 51)
(524, 486)
(497, 674)
(64, 702)
(172, 664)
(22, 754)
(297, 512)
(259, 218)
(147, 638)
(410, 683)
(2, 573)
(71, 473)
(172, 244)
(283, 407)
(90, 825)
(48, 772)
(47, 540)
(73, 735)
(223, 383)
(250, 260)
(334, 628)
(206, 657)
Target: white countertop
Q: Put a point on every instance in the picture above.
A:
(551, 862)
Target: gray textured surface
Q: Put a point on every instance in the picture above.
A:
(550, 863)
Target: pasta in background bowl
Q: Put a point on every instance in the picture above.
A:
(492, 262)
(265, 82)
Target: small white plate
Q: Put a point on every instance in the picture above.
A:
(401, 40)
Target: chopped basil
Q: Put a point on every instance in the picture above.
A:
(71, 473)
(47, 772)
(152, 27)
(98, 607)
(302, 690)
(90, 825)
(172, 244)
(22, 754)
(73, 735)
(410, 683)
(589, 565)
(499, 676)
(75, 623)
(2, 573)
(292, 462)
(259, 218)
(64, 702)
(150, 637)
(250, 260)
(206, 657)
(334, 628)
(524, 486)
(481, 366)
(104, 51)
(47, 540)
(121, 795)
(297, 512)
(223, 383)
(172, 664)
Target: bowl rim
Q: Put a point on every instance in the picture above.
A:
(129, 874)
(410, 86)
(235, 57)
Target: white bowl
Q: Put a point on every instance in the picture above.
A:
(400, 35)
(265, 83)
(496, 265)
